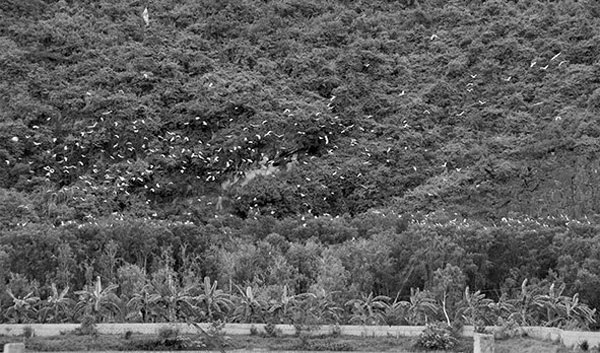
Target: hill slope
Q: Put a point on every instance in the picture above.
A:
(285, 109)
(480, 109)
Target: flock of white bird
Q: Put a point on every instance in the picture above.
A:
(218, 164)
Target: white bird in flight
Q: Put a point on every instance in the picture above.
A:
(146, 17)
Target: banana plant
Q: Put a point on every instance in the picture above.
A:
(419, 308)
(175, 302)
(392, 312)
(97, 301)
(57, 307)
(143, 304)
(475, 309)
(213, 303)
(553, 305)
(281, 308)
(563, 310)
(305, 310)
(528, 304)
(22, 308)
(503, 308)
(578, 312)
(369, 309)
(325, 308)
(249, 308)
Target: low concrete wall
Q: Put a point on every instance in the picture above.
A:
(39, 329)
(568, 338)
(14, 348)
(483, 343)
(230, 329)
(373, 331)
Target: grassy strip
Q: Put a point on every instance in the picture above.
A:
(132, 341)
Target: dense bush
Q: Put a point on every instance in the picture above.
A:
(436, 338)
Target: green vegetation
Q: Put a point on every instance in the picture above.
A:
(177, 341)
(436, 338)
(300, 162)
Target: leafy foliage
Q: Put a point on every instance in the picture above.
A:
(436, 337)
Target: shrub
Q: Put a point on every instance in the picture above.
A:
(169, 339)
(127, 334)
(336, 330)
(584, 346)
(179, 343)
(336, 346)
(253, 330)
(214, 337)
(436, 337)
(324, 345)
(216, 328)
(167, 344)
(28, 332)
(167, 332)
(302, 329)
(88, 326)
(508, 328)
(271, 330)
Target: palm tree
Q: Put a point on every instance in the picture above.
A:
(57, 308)
(213, 302)
(97, 301)
(21, 309)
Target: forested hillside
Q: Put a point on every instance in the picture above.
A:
(329, 148)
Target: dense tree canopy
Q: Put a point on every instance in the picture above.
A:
(332, 146)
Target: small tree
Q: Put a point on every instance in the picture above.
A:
(132, 280)
(66, 265)
(447, 287)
